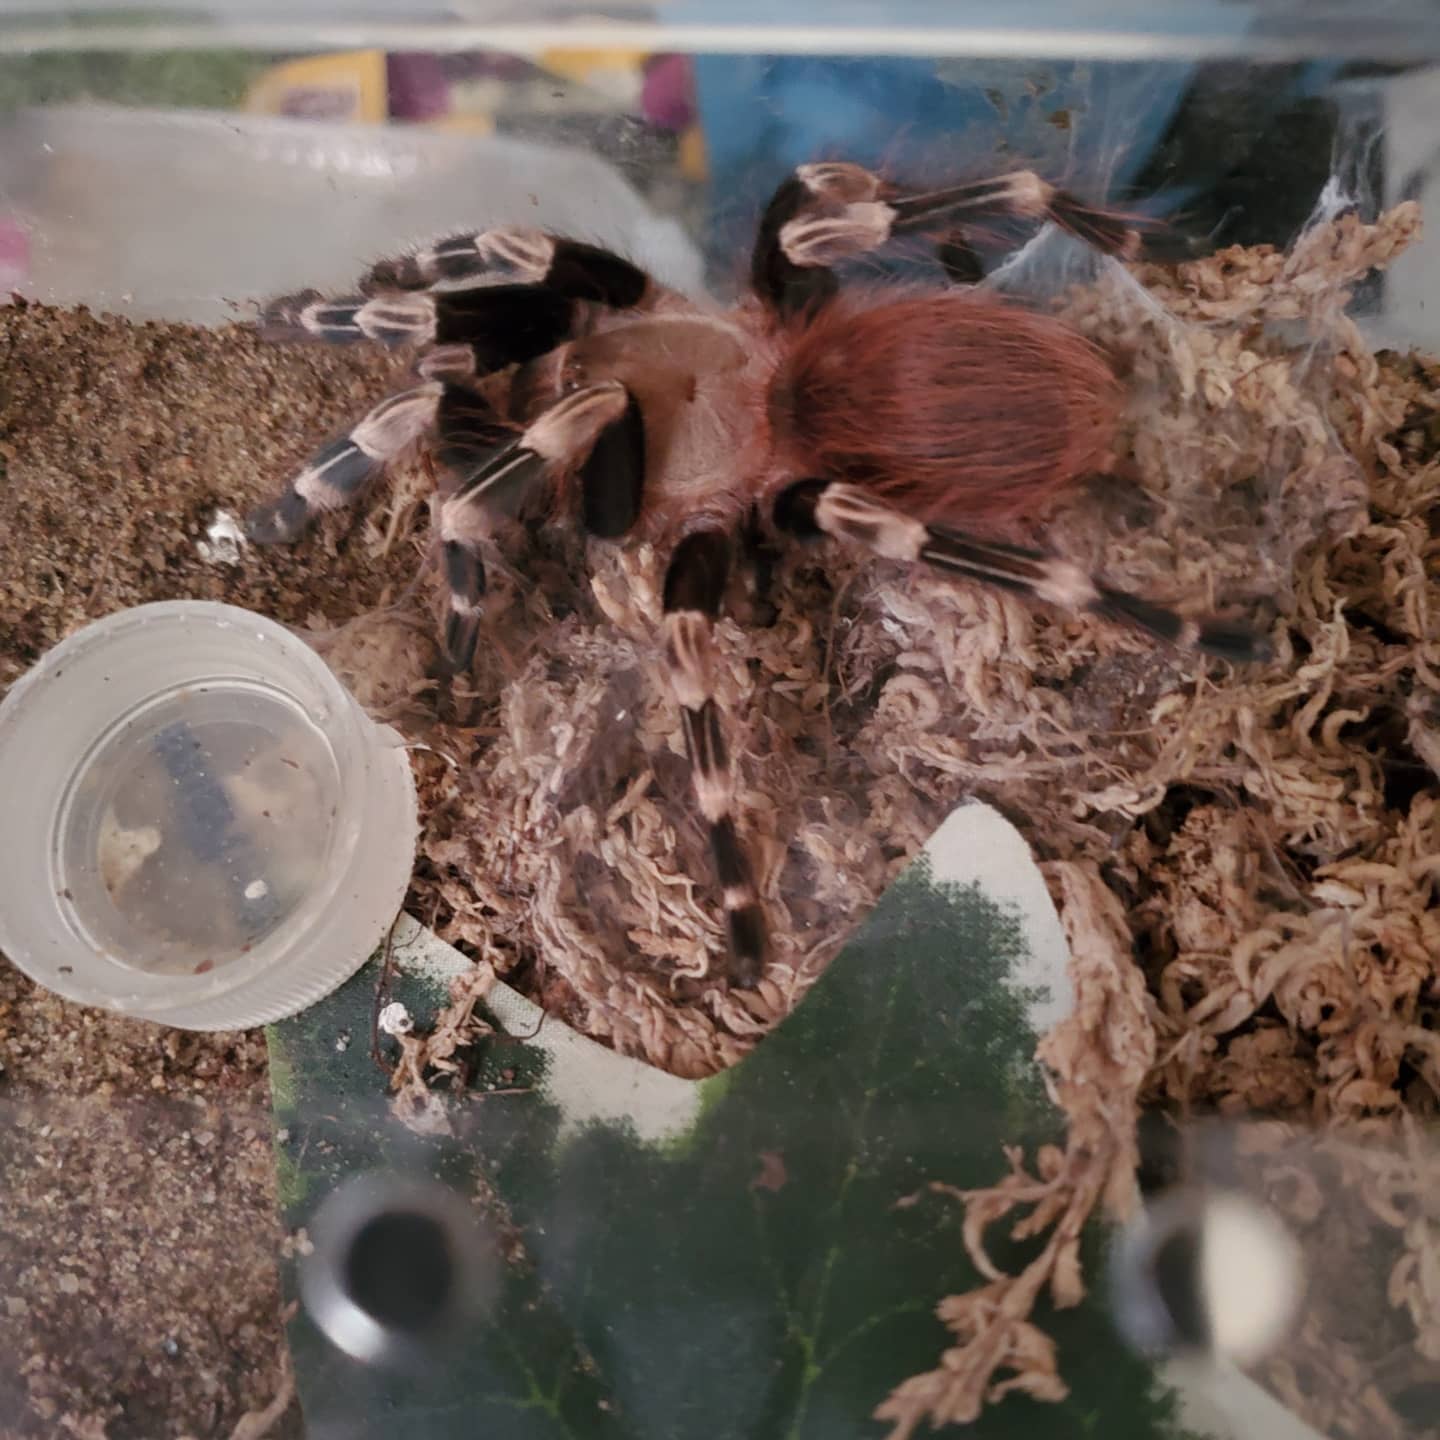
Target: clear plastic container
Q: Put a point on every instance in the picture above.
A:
(141, 175)
(202, 827)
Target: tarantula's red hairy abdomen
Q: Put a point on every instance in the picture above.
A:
(954, 407)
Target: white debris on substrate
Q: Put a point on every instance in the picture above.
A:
(224, 542)
(1241, 832)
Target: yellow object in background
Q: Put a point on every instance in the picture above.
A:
(618, 74)
(346, 88)
(353, 87)
(694, 162)
(585, 64)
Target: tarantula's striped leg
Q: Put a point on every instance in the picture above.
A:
(597, 431)
(830, 212)
(694, 588)
(340, 473)
(499, 325)
(517, 255)
(465, 428)
(817, 507)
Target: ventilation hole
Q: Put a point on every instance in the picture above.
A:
(400, 1270)
(1205, 1270)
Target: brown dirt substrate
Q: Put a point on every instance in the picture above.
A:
(139, 1295)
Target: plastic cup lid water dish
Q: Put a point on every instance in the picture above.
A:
(201, 826)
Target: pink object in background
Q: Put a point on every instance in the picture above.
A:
(419, 87)
(14, 256)
(667, 98)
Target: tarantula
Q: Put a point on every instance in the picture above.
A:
(906, 421)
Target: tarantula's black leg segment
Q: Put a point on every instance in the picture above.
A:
(612, 479)
(783, 284)
(498, 325)
(465, 584)
(515, 254)
(561, 439)
(695, 583)
(958, 259)
(503, 324)
(340, 473)
(467, 430)
(847, 513)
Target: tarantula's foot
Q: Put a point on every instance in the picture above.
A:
(278, 522)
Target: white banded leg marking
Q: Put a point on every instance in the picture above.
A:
(839, 181)
(853, 213)
(561, 438)
(450, 363)
(695, 581)
(513, 254)
(516, 253)
(388, 319)
(338, 474)
(850, 514)
(567, 430)
(855, 229)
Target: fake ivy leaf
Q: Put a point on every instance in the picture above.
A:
(773, 1270)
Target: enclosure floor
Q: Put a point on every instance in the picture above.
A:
(139, 1294)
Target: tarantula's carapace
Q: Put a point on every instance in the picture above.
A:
(559, 379)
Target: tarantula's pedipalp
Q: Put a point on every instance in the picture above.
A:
(818, 507)
(836, 211)
(695, 583)
(612, 479)
(595, 431)
(519, 255)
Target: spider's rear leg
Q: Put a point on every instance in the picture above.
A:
(818, 507)
(599, 433)
(827, 213)
(695, 581)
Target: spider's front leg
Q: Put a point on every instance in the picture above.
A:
(695, 581)
(598, 434)
(830, 212)
(515, 254)
(816, 507)
(337, 475)
(467, 334)
(514, 293)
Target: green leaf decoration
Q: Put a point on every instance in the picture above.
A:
(748, 1268)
